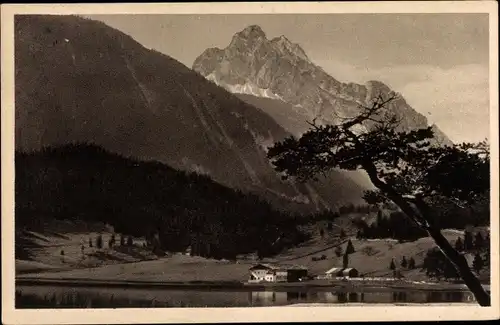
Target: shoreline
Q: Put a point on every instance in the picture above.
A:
(238, 286)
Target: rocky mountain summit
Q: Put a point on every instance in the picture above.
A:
(280, 69)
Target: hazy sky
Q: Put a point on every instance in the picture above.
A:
(439, 62)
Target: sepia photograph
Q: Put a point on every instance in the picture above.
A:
(191, 158)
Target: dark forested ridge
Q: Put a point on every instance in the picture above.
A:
(81, 81)
(86, 182)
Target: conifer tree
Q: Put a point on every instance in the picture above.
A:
(477, 263)
(479, 241)
(404, 262)
(459, 245)
(350, 248)
(99, 241)
(112, 241)
(345, 260)
(411, 263)
(392, 266)
(468, 241)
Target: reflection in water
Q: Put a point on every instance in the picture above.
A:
(296, 296)
(399, 296)
(39, 297)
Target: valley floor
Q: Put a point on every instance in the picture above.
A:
(43, 249)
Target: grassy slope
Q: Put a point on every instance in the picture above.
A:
(41, 248)
(185, 268)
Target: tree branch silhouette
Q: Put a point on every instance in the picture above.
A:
(406, 167)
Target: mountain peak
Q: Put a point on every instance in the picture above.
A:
(253, 31)
(282, 39)
(286, 46)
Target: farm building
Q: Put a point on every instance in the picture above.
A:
(266, 272)
(340, 272)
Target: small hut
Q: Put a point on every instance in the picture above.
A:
(340, 272)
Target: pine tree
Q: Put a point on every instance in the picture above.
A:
(342, 233)
(350, 248)
(392, 266)
(345, 260)
(90, 242)
(487, 253)
(487, 241)
(477, 263)
(428, 263)
(404, 262)
(479, 242)
(122, 240)
(322, 232)
(380, 218)
(436, 265)
(411, 263)
(487, 256)
(130, 241)
(468, 241)
(459, 245)
(99, 242)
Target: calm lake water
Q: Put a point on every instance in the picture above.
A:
(66, 297)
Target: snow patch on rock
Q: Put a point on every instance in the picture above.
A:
(247, 88)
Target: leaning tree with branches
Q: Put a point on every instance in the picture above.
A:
(407, 167)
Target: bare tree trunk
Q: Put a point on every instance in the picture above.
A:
(462, 267)
(458, 261)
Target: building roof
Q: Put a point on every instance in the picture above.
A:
(338, 270)
(271, 266)
(267, 266)
(333, 270)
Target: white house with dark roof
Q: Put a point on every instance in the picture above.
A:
(267, 272)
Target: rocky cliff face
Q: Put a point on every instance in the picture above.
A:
(79, 80)
(279, 69)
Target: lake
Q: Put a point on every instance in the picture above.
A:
(80, 297)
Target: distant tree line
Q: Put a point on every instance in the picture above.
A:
(396, 225)
(172, 209)
(393, 226)
(352, 208)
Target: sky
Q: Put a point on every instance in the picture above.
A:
(438, 62)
